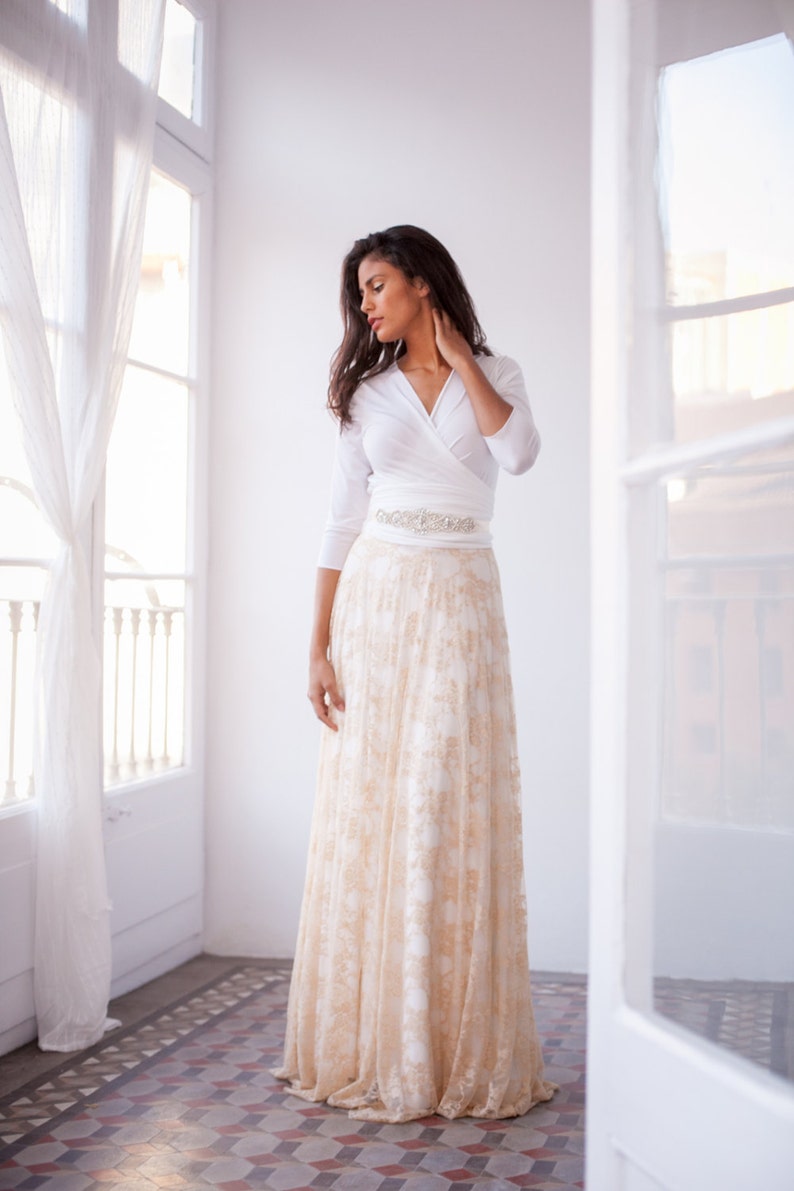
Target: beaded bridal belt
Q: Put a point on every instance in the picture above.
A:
(423, 521)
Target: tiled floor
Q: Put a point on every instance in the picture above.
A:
(182, 1098)
(180, 1095)
(754, 1020)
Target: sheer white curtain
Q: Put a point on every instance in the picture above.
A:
(78, 91)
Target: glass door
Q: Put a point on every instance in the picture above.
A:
(691, 1073)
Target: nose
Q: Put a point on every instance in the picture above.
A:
(366, 302)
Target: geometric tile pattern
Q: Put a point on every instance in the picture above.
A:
(753, 1020)
(185, 1100)
(122, 1052)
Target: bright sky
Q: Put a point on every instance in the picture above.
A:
(727, 153)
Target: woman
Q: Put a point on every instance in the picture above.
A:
(410, 992)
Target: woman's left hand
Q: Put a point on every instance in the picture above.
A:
(449, 341)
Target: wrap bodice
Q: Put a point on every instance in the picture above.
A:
(397, 456)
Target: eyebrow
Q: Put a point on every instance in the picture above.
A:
(370, 280)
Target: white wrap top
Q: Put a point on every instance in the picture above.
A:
(397, 456)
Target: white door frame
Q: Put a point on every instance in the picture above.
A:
(666, 1109)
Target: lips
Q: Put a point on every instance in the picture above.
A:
(374, 322)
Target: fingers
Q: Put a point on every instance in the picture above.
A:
(322, 710)
(442, 326)
(450, 342)
(324, 695)
(445, 328)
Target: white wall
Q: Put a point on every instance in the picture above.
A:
(334, 120)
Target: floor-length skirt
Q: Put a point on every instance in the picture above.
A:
(410, 992)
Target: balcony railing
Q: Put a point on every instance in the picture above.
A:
(18, 620)
(143, 701)
(143, 690)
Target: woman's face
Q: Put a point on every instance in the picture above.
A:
(393, 304)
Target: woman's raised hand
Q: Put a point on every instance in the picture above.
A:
(324, 692)
(449, 341)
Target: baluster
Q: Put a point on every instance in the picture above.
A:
(726, 801)
(116, 617)
(15, 618)
(152, 615)
(763, 802)
(674, 790)
(168, 616)
(135, 623)
(36, 610)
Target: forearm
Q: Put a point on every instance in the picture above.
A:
(325, 591)
(490, 410)
(507, 427)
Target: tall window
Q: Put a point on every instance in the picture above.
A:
(146, 506)
(727, 545)
(150, 516)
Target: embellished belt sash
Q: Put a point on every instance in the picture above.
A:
(428, 526)
(423, 521)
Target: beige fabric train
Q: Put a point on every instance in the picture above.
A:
(410, 993)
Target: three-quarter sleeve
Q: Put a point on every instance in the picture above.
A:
(349, 497)
(516, 445)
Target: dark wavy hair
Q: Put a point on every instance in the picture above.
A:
(417, 254)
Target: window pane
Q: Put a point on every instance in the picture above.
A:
(723, 852)
(728, 567)
(135, 45)
(710, 693)
(45, 129)
(727, 172)
(75, 9)
(723, 366)
(24, 533)
(144, 680)
(47, 133)
(177, 73)
(725, 192)
(146, 509)
(160, 333)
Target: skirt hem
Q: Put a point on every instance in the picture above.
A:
(374, 1112)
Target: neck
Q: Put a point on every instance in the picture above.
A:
(421, 351)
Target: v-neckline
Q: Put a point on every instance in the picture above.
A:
(429, 413)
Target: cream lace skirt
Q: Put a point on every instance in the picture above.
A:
(410, 992)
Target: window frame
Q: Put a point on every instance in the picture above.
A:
(184, 167)
(197, 134)
(182, 151)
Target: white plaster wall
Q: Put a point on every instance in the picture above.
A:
(336, 119)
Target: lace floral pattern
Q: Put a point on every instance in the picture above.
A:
(410, 992)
